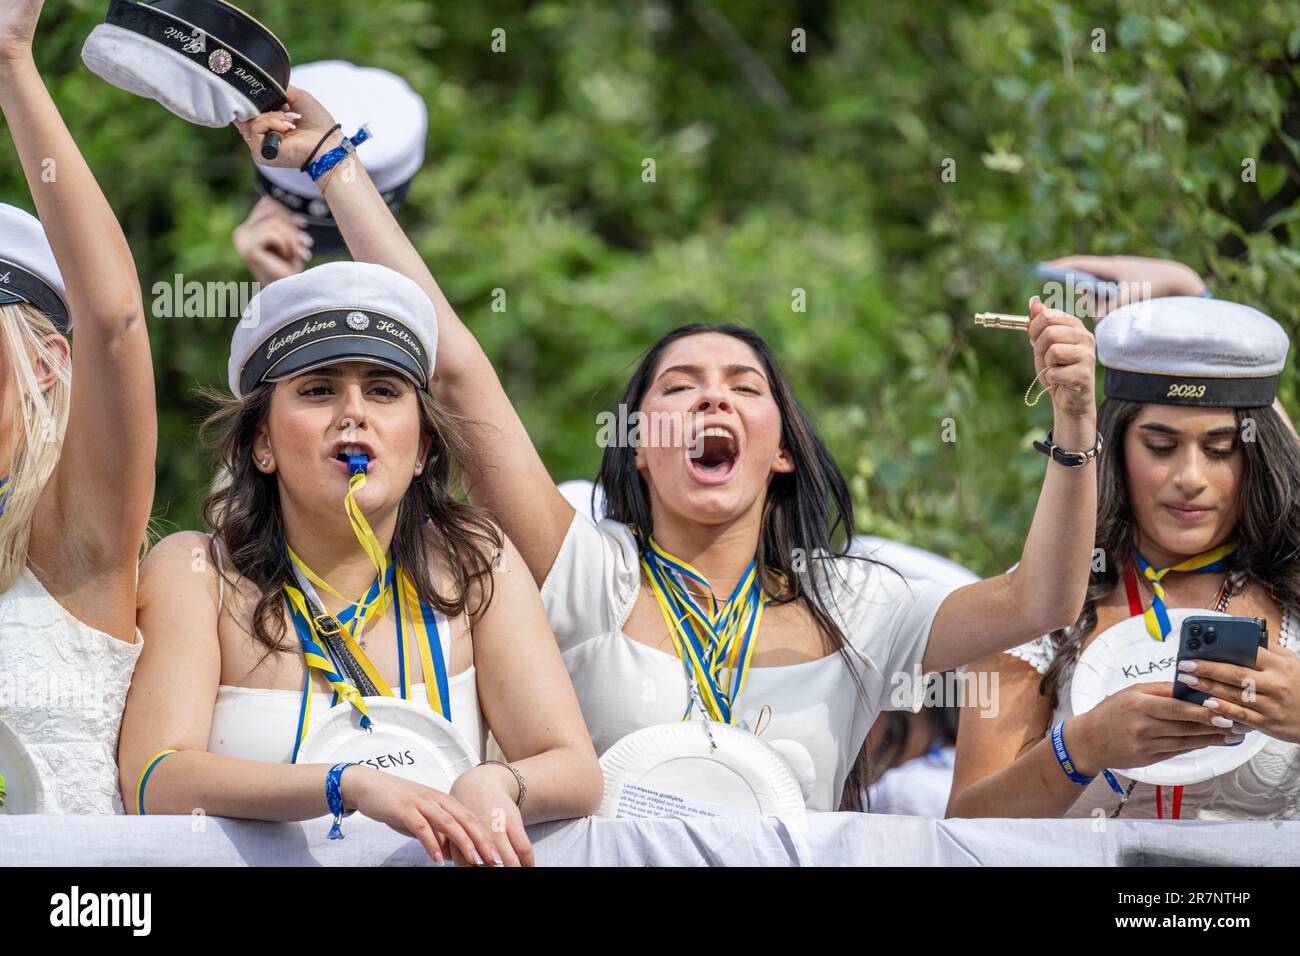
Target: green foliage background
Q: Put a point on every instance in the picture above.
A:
(776, 170)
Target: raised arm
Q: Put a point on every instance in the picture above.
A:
(1045, 591)
(170, 707)
(94, 511)
(506, 474)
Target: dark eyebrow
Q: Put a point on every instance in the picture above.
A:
(737, 369)
(744, 369)
(1222, 432)
(684, 369)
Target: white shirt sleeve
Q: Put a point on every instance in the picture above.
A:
(886, 619)
(593, 583)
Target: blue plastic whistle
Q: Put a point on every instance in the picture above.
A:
(357, 465)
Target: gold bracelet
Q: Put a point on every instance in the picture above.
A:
(519, 779)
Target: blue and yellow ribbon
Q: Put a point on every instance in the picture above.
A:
(423, 623)
(1157, 615)
(713, 640)
(391, 586)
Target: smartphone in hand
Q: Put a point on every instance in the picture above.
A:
(1230, 640)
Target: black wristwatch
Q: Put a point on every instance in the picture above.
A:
(1070, 459)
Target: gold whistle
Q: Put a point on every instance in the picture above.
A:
(1001, 320)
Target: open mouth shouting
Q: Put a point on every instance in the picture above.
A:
(713, 456)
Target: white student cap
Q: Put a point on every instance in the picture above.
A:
(28, 272)
(1184, 350)
(355, 96)
(338, 312)
(205, 60)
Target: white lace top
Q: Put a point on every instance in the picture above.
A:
(63, 688)
(1267, 787)
(624, 685)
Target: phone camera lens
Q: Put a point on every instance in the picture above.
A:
(1211, 636)
(1194, 644)
(1194, 630)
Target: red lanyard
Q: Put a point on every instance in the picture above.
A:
(1136, 609)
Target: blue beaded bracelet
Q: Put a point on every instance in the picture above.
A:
(336, 155)
(1063, 758)
(334, 797)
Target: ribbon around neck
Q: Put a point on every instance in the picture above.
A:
(1157, 615)
(708, 640)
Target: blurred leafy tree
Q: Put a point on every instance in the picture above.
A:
(775, 171)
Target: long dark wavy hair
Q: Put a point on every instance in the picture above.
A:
(807, 512)
(1268, 529)
(246, 518)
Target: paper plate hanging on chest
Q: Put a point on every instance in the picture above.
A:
(671, 770)
(204, 60)
(24, 792)
(406, 739)
(1127, 654)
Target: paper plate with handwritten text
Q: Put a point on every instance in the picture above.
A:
(405, 738)
(1127, 654)
(674, 770)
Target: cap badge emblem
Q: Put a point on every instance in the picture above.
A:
(220, 62)
(358, 321)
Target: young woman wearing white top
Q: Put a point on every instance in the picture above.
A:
(228, 681)
(1212, 510)
(78, 459)
(836, 633)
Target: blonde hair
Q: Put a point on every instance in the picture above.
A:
(38, 424)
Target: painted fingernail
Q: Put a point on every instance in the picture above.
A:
(1233, 738)
(439, 858)
(307, 239)
(1211, 702)
(496, 858)
(291, 125)
(293, 116)
(1221, 721)
(478, 859)
(1189, 680)
(1188, 666)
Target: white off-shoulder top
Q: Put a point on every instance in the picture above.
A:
(624, 685)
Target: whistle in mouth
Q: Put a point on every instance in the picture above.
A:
(357, 465)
